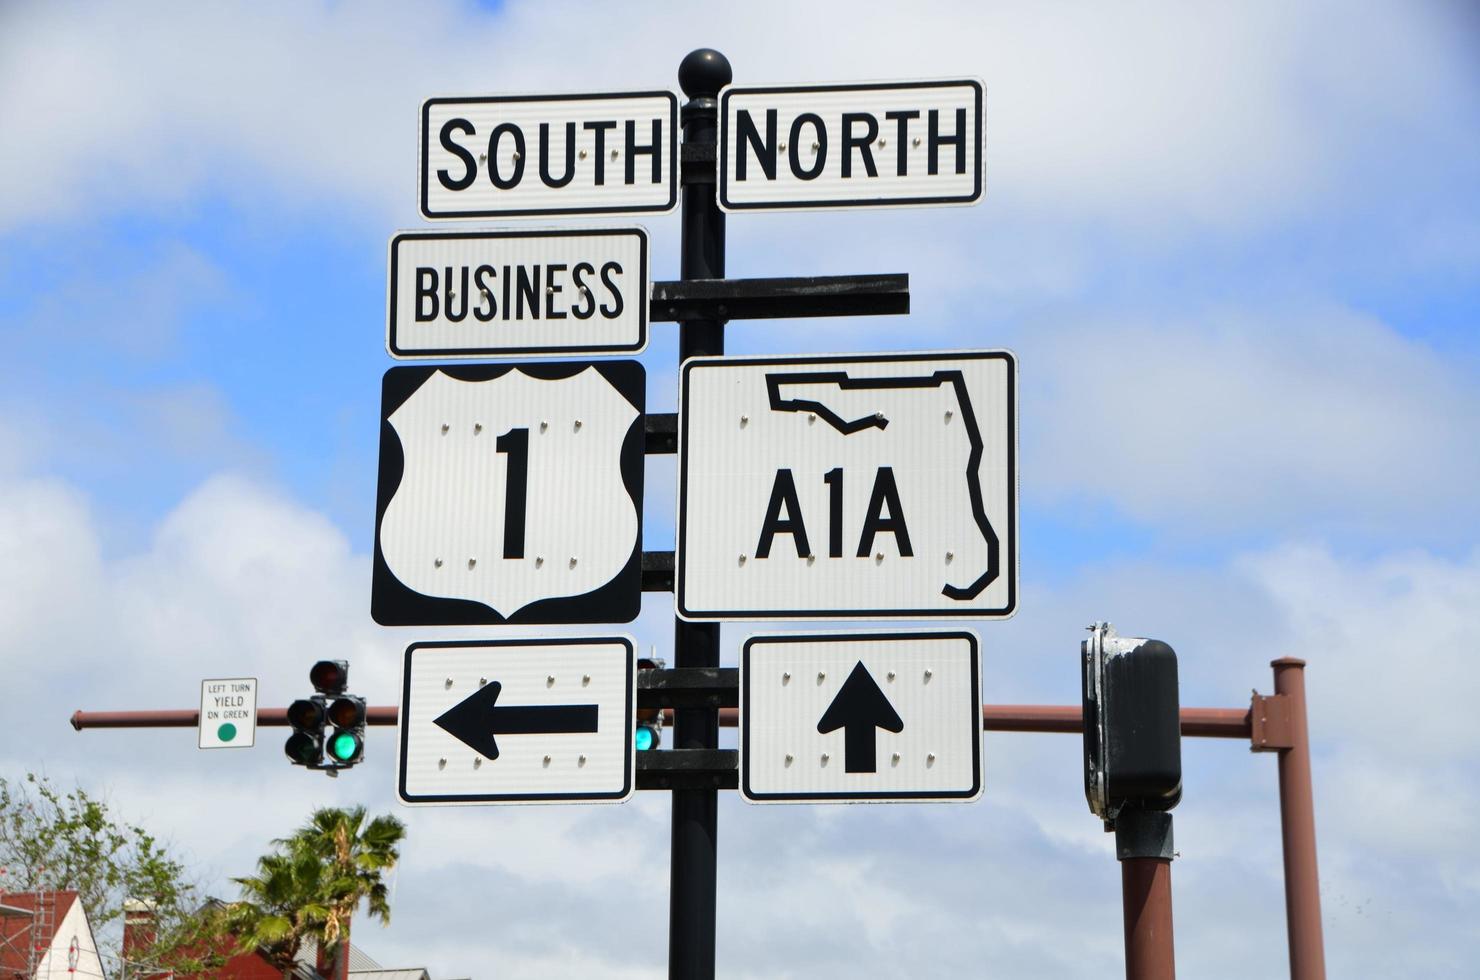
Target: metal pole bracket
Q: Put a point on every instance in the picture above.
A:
(1271, 726)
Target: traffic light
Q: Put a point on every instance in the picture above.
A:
(347, 742)
(649, 732)
(343, 744)
(1132, 724)
(306, 745)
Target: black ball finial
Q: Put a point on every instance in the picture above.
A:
(703, 72)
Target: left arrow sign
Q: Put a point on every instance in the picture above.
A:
(476, 719)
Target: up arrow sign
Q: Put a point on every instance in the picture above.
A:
(858, 709)
(475, 720)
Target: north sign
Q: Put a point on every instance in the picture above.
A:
(511, 293)
(518, 721)
(860, 717)
(796, 147)
(510, 494)
(520, 156)
(878, 486)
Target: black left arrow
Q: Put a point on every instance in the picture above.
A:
(475, 720)
(858, 708)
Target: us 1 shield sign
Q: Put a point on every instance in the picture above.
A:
(848, 487)
(510, 494)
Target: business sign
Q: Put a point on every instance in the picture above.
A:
(228, 713)
(510, 494)
(518, 721)
(860, 717)
(508, 293)
(516, 156)
(874, 486)
(793, 147)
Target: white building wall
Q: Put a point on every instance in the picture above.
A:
(57, 963)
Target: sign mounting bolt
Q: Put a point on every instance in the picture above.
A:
(783, 147)
(549, 680)
(816, 146)
(437, 562)
(477, 427)
(825, 757)
(790, 758)
(516, 156)
(578, 425)
(547, 761)
(811, 417)
(811, 559)
(949, 414)
(477, 762)
(894, 759)
(572, 562)
(614, 154)
(915, 141)
(878, 557)
(821, 676)
(580, 760)
(483, 158)
(472, 563)
(441, 763)
(445, 427)
(585, 680)
(928, 674)
(929, 759)
(447, 683)
(742, 559)
(744, 421)
(889, 676)
(544, 425)
(582, 155)
(786, 677)
(539, 561)
(482, 682)
(950, 557)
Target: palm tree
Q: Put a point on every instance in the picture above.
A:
(311, 885)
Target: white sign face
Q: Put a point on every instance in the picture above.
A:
(507, 293)
(515, 156)
(796, 147)
(228, 713)
(518, 721)
(878, 486)
(510, 494)
(860, 717)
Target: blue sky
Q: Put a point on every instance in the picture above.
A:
(1235, 248)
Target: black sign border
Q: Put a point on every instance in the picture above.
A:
(642, 299)
(630, 702)
(863, 202)
(423, 196)
(392, 603)
(842, 797)
(1009, 534)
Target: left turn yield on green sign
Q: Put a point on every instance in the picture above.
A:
(228, 713)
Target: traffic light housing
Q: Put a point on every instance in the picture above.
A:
(305, 747)
(648, 733)
(328, 727)
(1132, 724)
(346, 743)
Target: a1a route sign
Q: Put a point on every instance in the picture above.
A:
(510, 494)
(848, 146)
(508, 293)
(228, 713)
(518, 156)
(860, 717)
(518, 721)
(878, 486)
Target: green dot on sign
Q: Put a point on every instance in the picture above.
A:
(226, 732)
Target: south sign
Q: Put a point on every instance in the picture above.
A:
(515, 156)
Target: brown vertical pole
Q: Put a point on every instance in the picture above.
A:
(1146, 893)
(1298, 829)
(1143, 843)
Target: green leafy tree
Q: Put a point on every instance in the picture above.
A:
(311, 884)
(52, 840)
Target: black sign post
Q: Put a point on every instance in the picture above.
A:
(692, 889)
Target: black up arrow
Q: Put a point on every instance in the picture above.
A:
(474, 720)
(858, 709)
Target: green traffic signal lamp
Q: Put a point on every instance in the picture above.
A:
(345, 747)
(648, 734)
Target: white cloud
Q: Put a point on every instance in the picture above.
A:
(240, 579)
(1311, 420)
(1158, 116)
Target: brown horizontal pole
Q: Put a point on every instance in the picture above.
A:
(1196, 722)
